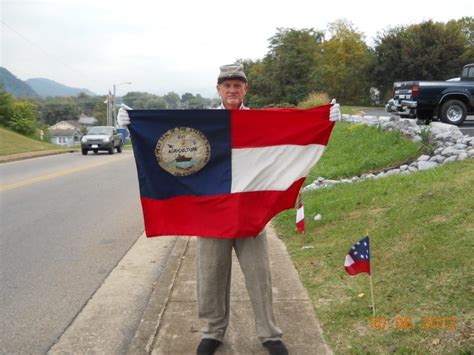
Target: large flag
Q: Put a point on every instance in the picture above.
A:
(358, 258)
(221, 173)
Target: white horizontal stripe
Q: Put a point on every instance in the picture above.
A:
(272, 168)
(299, 214)
(349, 261)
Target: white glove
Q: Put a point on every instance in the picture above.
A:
(335, 111)
(123, 119)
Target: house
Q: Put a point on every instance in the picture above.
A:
(66, 133)
(87, 121)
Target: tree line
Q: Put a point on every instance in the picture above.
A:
(303, 61)
(27, 116)
(302, 67)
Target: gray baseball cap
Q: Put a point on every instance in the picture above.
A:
(231, 71)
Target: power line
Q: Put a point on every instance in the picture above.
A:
(42, 49)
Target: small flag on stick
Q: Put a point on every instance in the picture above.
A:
(300, 215)
(358, 258)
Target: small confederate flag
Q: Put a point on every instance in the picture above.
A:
(300, 215)
(358, 258)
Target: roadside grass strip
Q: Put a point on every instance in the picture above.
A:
(421, 229)
(14, 143)
(355, 149)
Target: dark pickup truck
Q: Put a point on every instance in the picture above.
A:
(450, 101)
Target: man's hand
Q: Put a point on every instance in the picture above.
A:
(335, 111)
(123, 119)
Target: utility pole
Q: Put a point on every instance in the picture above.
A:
(114, 115)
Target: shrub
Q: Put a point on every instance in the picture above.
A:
(315, 99)
(24, 117)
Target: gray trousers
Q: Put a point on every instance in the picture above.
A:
(214, 269)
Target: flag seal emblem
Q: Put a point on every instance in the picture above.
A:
(183, 151)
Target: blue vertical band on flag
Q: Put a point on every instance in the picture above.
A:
(214, 178)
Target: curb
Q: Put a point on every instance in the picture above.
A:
(145, 335)
(30, 155)
(108, 322)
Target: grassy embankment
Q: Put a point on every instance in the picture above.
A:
(14, 143)
(421, 228)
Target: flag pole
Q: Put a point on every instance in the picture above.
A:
(371, 287)
(372, 294)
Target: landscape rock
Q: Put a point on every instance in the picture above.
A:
(393, 172)
(425, 165)
(462, 156)
(450, 145)
(450, 159)
(437, 158)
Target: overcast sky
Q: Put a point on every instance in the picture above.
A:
(173, 45)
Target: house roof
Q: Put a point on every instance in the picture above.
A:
(87, 120)
(69, 124)
(64, 132)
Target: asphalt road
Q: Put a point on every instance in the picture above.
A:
(66, 221)
(466, 128)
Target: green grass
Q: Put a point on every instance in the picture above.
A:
(422, 239)
(14, 143)
(355, 149)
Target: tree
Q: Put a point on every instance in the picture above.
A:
(88, 104)
(186, 97)
(155, 103)
(6, 106)
(100, 111)
(172, 100)
(343, 64)
(283, 75)
(289, 63)
(56, 109)
(465, 25)
(425, 51)
(24, 117)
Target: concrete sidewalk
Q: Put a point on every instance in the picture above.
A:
(169, 322)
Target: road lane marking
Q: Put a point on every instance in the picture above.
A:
(58, 174)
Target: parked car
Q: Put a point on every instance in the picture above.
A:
(102, 138)
(450, 101)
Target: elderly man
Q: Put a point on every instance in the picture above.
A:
(214, 255)
(214, 258)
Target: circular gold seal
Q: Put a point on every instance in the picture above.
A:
(183, 151)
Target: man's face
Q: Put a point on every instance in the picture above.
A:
(232, 93)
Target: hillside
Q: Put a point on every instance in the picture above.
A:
(45, 87)
(14, 143)
(420, 227)
(15, 86)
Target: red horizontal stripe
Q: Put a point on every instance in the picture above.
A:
(358, 267)
(280, 126)
(237, 215)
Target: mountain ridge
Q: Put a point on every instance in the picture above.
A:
(15, 86)
(36, 87)
(47, 87)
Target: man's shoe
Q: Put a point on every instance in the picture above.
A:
(276, 347)
(208, 346)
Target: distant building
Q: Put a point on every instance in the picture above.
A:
(66, 133)
(87, 121)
